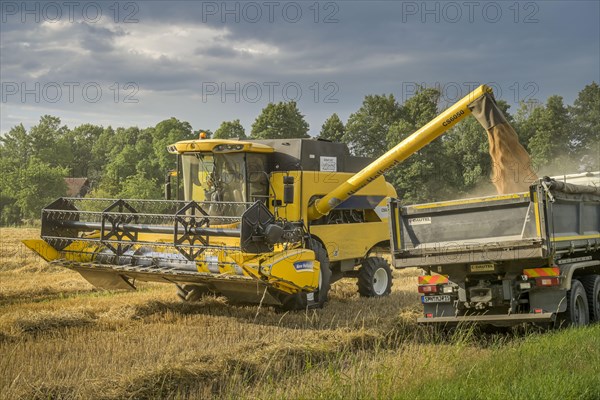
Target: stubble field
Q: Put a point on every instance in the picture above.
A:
(62, 339)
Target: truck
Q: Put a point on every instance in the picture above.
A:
(503, 260)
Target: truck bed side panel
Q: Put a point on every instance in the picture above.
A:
(574, 220)
(466, 231)
(553, 218)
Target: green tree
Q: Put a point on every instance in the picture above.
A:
(131, 152)
(166, 133)
(504, 107)
(467, 158)
(333, 129)
(139, 186)
(50, 142)
(15, 147)
(524, 130)
(100, 150)
(82, 139)
(26, 190)
(33, 166)
(367, 129)
(230, 130)
(9, 186)
(139, 155)
(421, 176)
(131, 162)
(39, 184)
(548, 128)
(280, 121)
(585, 116)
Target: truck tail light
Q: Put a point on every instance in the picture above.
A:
(428, 289)
(547, 281)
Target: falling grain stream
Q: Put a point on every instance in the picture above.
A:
(512, 171)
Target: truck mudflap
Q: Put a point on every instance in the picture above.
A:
(495, 319)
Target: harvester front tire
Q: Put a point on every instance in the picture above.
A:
(374, 278)
(299, 301)
(591, 283)
(577, 313)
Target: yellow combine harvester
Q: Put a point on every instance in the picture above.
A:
(260, 221)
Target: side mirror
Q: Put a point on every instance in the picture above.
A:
(168, 189)
(288, 189)
(168, 184)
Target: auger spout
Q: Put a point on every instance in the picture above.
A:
(436, 127)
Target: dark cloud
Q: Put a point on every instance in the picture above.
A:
(176, 48)
(97, 39)
(217, 51)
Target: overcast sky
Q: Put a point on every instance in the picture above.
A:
(137, 63)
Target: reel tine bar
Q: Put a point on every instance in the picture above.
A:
(113, 218)
(187, 220)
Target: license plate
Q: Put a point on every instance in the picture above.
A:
(435, 299)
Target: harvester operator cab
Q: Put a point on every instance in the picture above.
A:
(224, 178)
(214, 177)
(223, 174)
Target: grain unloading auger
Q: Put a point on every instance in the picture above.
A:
(261, 221)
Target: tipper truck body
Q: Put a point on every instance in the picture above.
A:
(506, 259)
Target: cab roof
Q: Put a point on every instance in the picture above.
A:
(218, 146)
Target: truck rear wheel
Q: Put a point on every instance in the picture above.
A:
(591, 283)
(318, 298)
(577, 313)
(374, 278)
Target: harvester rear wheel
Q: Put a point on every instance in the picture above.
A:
(374, 278)
(190, 293)
(300, 301)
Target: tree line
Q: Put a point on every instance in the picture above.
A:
(131, 162)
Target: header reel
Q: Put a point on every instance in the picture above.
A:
(118, 225)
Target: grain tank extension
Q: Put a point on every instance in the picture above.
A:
(259, 221)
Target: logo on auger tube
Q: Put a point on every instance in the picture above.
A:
(453, 118)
